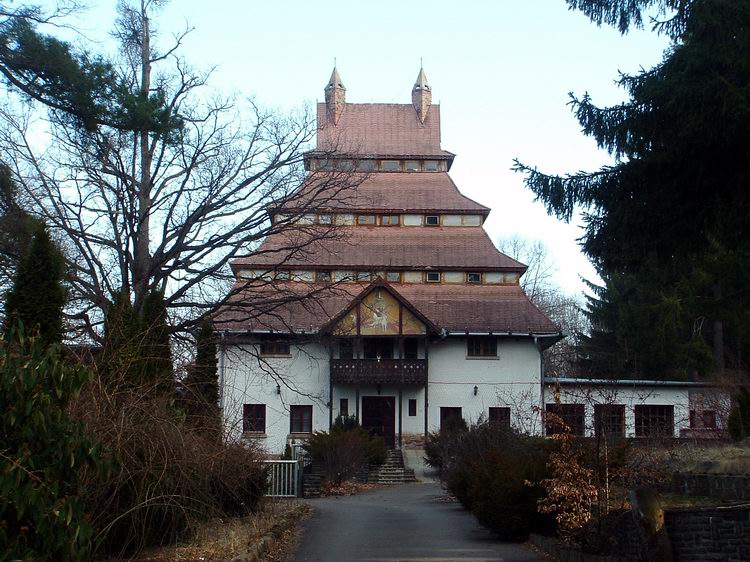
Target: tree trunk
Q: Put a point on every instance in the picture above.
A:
(718, 339)
(649, 517)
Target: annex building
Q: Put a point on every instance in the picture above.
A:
(389, 302)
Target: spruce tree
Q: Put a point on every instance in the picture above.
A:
(38, 296)
(155, 343)
(202, 381)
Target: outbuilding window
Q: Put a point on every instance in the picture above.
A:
(652, 420)
(572, 415)
(609, 420)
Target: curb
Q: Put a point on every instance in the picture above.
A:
(257, 551)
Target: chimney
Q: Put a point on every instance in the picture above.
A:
(421, 96)
(335, 97)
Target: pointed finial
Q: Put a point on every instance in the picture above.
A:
(335, 80)
(421, 83)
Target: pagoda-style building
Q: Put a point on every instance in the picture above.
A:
(411, 314)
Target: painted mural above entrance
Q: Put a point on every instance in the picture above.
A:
(379, 313)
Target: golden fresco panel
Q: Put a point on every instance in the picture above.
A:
(379, 317)
(347, 326)
(410, 325)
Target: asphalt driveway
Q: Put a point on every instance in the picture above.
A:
(400, 523)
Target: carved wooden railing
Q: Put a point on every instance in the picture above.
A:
(384, 371)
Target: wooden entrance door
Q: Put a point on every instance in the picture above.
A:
(379, 417)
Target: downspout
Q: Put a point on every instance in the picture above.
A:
(541, 384)
(221, 372)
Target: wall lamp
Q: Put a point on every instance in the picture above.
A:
(278, 389)
(476, 389)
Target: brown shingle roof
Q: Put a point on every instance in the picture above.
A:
(476, 308)
(386, 191)
(381, 129)
(364, 247)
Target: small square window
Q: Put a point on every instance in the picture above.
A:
(393, 276)
(475, 278)
(365, 165)
(325, 219)
(365, 219)
(300, 419)
(254, 418)
(432, 277)
(480, 346)
(430, 166)
(323, 276)
(412, 406)
(274, 347)
(391, 165)
(432, 220)
(390, 220)
(412, 166)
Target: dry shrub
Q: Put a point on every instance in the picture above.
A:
(168, 475)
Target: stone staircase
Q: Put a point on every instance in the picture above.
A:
(392, 471)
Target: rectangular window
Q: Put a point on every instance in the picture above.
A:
(390, 220)
(474, 278)
(365, 165)
(378, 348)
(344, 407)
(365, 219)
(274, 347)
(391, 165)
(430, 166)
(346, 349)
(364, 276)
(300, 419)
(500, 417)
(411, 348)
(323, 276)
(254, 418)
(609, 420)
(325, 219)
(412, 166)
(283, 275)
(654, 421)
(572, 415)
(432, 277)
(325, 165)
(481, 346)
(449, 417)
(412, 406)
(432, 220)
(393, 276)
(345, 165)
(709, 419)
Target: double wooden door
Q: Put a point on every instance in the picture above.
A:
(379, 417)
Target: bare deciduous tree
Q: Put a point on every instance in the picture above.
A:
(167, 203)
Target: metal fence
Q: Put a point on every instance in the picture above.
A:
(284, 479)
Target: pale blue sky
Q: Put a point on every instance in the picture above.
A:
(501, 70)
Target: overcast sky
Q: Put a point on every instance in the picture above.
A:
(501, 70)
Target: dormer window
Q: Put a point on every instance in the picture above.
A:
(325, 219)
(474, 278)
(430, 166)
(432, 277)
(393, 276)
(391, 165)
(323, 276)
(365, 219)
(412, 166)
(364, 276)
(432, 220)
(389, 220)
(366, 165)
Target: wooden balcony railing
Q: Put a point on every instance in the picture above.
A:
(384, 371)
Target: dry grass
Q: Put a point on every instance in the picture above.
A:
(711, 458)
(225, 539)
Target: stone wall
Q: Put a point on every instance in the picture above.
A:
(720, 533)
(719, 486)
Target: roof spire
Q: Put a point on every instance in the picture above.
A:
(335, 94)
(421, 95)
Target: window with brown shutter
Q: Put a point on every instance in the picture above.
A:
(300, 419)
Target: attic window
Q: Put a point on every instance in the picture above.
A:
(323, 276)
(432, 220)
(324, 219)
(366, 165)
(412, 166)
(430, 166)
(389, 220)
(432, 277)
(474, 278)
(391, 165)
(366, 219)
(393, 276)
(364, 276)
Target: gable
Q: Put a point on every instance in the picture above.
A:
(379, 313)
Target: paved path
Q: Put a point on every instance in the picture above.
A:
(400, 523)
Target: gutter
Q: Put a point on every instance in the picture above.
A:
(624, 382)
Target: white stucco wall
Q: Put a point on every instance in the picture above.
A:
(248, 379)
(512, 379)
